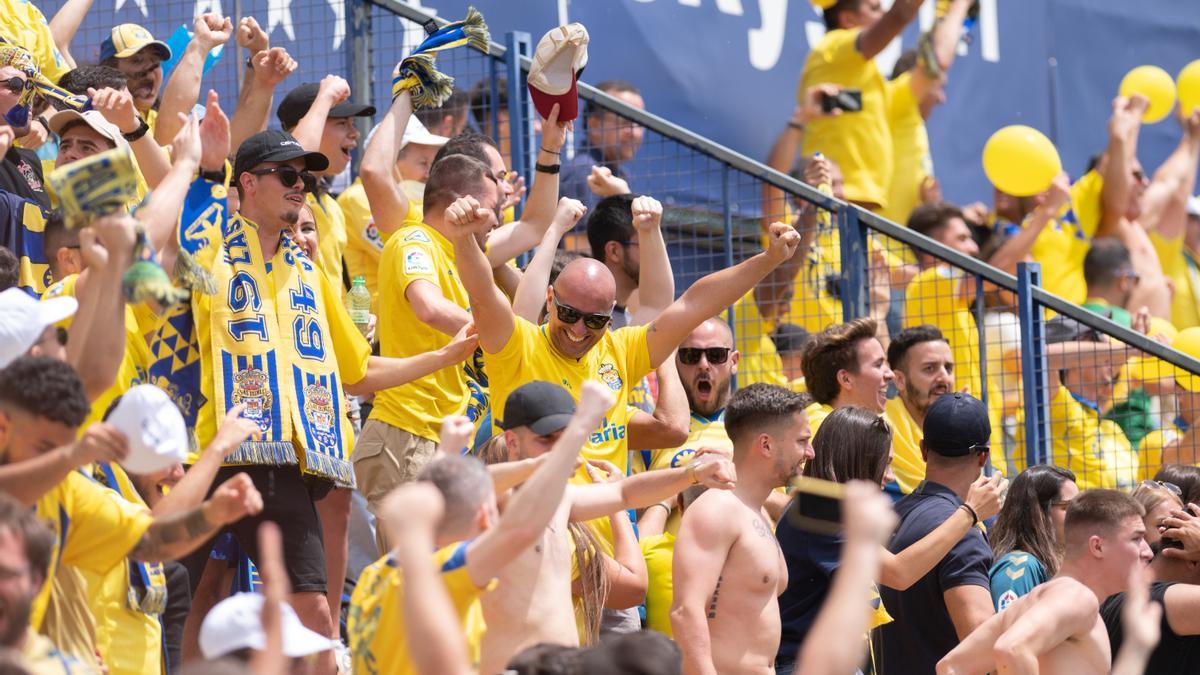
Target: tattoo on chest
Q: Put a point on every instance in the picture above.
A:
(712, 605)
(761, 527)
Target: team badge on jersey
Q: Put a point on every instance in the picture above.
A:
(608, 375)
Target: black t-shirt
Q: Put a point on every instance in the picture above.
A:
(21, 175)
(811, 561)
(1175, 654)
(922, 632)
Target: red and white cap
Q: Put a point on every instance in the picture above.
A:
(559, 59)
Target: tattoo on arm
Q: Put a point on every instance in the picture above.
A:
(712, 605)
(165, 537)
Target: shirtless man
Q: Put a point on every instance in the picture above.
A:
(728, 569)
(532, 601)
(1057, 627)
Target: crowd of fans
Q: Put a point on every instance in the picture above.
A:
(549, 469)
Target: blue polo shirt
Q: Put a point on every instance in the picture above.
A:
(922, 632)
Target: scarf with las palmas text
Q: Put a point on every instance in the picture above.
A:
(270, 348)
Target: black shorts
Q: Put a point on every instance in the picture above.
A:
(289, 501)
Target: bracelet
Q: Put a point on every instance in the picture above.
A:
(552, 152)
(974, 516)
(796, 125)
(547, 168)
(659, 504)
(41, 119)
(137, 133)
(691, 469)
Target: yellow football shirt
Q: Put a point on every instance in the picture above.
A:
(619, 360)
(22, 23)
(1180, 266)
(331, 238)
(94, 530)
(1151, 448)
(418, 253)
(907, 465)
(760, 361)
(129, 638)
(859, 142)
(134, 364)
(913, 161)
(816, 412)
(1095, 449)
(375, 623)
(659, 552)
(364, 245)
(703, 432)
(1062, 245)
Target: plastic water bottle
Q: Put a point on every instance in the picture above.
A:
(358, 302)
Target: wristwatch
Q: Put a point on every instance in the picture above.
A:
(138, 132)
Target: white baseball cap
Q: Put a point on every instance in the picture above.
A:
(236, 623)
(93, 119)
(416, 133)
(23, 320)
(155, 429)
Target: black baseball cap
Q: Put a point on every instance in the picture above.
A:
(957, 425)
(295, 106)
(542, 406)
(274, 145)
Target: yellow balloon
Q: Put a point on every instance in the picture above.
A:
(1188, 84)
(1188, 342)
(1155, 84)
(1145, 368)
(1020, 161)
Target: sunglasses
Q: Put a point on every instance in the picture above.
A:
(690, 356)
(1163, 485)
(288, 175)
(569, 315)
(17, 85)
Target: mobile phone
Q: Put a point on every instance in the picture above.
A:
(849, 100)
(816, 505)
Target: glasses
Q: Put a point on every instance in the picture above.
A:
(690, 356)
(17, 85)
(570, 315)
(288, 175)
(1163, 485)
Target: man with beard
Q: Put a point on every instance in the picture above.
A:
(25, 548)
(923, 365)
(728, 570)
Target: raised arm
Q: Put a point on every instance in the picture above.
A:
(532, 507)
(160, 215)
(385, 372)
(117, 107)
(1165, 209)
(489, 307)
(1020, 245)
(433, 630)
(875, 37)
(27, 481)
(530, 297)
(99, 327)
(716, 291)
(191, 490)
(786, 148)
(705, 537)
(636, 492)
(268, 68)
(389, 203)
(667, 426)
(834, 643)
(65, 25)
(332, 91)
(509, 241)
(944, 39)
(183, 89)
(1141, 624)
(1124, 126)
(903, 569)
(173, 536)
(656, 285)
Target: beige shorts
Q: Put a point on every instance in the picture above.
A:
(384, 458)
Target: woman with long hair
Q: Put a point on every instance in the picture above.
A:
(1159, 498)
(855, 444)
(1027, 539)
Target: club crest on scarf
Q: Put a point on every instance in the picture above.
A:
(253, 388)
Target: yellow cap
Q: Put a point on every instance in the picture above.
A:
(1188, 342)
(128, 39)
